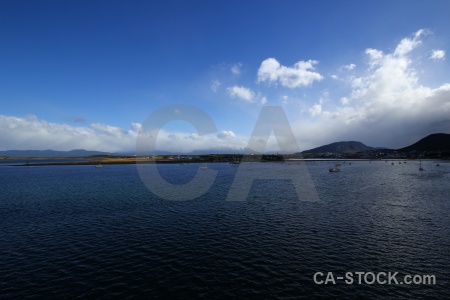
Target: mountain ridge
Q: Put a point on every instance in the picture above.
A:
(344, 147)
(433, 142)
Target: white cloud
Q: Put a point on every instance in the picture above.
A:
(25, 133)
(406, 45)
(135, 127)
(178, 142)
(300, 74)
(215, 84)
(389, 75)
(387, 106)
(437, 54)
(349, 67)
(334, 76)
(316, 109)
(374, 56)
(108, 130)
(344, 101)
(241, 92)
(236, 69)
(246, 94)
(32, 133)
(226, 134)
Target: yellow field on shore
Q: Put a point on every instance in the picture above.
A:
(104, 160)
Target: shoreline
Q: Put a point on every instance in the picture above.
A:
(35, 162)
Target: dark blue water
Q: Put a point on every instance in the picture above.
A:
(19, 162)
(81, 232)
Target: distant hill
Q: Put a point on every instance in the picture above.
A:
(51, 153)
(341, 147)
(433, 142)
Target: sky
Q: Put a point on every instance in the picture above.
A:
(87, 74)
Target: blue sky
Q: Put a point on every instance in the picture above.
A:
(86, 74)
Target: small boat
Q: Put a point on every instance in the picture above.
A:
(99, 166)
(392, 163)
(437, 165)
(204, 167)
(335, 169)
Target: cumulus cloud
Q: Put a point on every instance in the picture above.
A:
(226, 134)
(24, 133)
(437, 54)
(344, 101)
(375, 56)
(241, 92)
(180, 142)
(407, 44)
(387, 106)
(316, 109)
(349, 67)
(246, 94)
(300, 74)
(31, 133)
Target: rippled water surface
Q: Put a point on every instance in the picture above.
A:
(85, 232)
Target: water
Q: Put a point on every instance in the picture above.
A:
(19, 162)
(81, 232)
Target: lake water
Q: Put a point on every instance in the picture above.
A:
(81, 232)
(19, 162)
